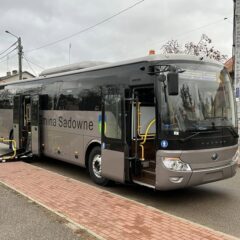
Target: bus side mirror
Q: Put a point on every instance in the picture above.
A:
(172, 81)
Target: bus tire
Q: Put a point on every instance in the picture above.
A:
(94, 167)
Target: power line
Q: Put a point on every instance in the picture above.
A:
(9, 58)
(187, 32)
(196, 29)
(8, 48)
(30, 66)
(88, 28)
(37, 65)
(8, 53)
(204, 26)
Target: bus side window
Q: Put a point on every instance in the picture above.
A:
(68, 96)
(52, 91)
(44, 102)
(68, 100)
(6, 99)
(73, 97)
(113, 115)
(2, 99)
(90, 100)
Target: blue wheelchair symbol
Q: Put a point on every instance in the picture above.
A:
(164, 143)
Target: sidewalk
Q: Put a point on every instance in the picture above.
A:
(20, 218)
(107, 215)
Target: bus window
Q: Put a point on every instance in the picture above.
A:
(73, 97)
(113, 115)
(6, 99)
(52, 91)
(28, 89)
(91, 99)
(69, 96)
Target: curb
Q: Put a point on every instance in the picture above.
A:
(77, 225)
(119, 196)
(150, 207)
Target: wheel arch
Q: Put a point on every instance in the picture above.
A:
(89, 148)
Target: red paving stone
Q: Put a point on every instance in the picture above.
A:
(106, 214)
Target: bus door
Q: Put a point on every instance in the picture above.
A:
(17, 120)
(113, 134)
(35, 124)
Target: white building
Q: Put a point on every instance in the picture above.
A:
(14, 75)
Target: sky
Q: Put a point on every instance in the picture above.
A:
(131, 34)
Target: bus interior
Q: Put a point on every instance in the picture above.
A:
(26, 120)
(143, 135)
(26, 127)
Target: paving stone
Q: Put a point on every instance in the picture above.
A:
(108, 215)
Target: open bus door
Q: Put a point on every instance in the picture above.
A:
(35, 124)
(113, 134)
(17, 120)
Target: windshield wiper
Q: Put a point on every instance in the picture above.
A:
(216, 118)
(232, 131)
(189, 137)
(197, 133)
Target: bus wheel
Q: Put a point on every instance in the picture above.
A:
(94, 167)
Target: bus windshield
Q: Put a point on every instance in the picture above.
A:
(205, 100)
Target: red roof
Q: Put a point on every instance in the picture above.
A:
(229, 64)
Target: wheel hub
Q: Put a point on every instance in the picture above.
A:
(96, 166)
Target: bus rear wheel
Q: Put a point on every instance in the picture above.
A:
(95, 167)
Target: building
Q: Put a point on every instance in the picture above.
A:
(14, 75)
(229, 64)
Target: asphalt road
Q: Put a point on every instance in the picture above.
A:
(20, 218)
(215, 205)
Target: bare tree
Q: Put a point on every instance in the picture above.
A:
(203, 48)
(172, 47)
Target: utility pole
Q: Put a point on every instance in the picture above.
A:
(20, 53)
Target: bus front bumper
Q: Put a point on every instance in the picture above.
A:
(168, 180)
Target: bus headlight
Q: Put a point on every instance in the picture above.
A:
(236, 156)
(175, 164)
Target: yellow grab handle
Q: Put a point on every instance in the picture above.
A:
(145, 138)
(14, 147)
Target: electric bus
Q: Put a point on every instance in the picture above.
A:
(162, 121)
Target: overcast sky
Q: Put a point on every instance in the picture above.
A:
(146, 26)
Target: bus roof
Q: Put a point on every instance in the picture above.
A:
(71, 67)
(103, 65)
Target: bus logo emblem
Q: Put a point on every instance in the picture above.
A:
(164, 143)
(214, 156)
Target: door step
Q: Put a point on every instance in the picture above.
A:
(145, 164)
(144, 184)
(148, 172)
(148, 164)
(147, 177)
